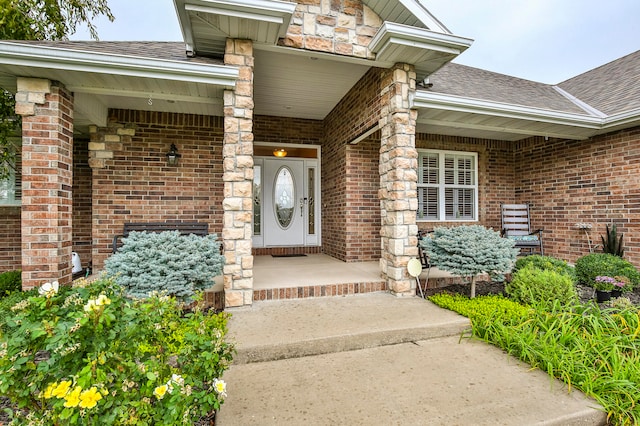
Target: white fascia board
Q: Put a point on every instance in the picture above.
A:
(624, 118)
(273, 7)
(273, 11)
(391, 32)
(101, 63)
(420, 12)
(499, 109)
(234, 13)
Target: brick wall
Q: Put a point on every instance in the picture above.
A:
(137, 185)
(10, 258)
(356, 113)
(496, 175)
(287, 130)
(81, 202)
(343, 27)
(362, 239)
(595, 181)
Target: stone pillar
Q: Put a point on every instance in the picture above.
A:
(47, 176)
(398, 178)
(237, 155)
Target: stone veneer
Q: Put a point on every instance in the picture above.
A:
(237, 156)
(343, 27)
(398, 177)
(47, 176)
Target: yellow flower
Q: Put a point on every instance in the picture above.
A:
(220, 386)
(160, 391)
(103, 300)
(61, 390)
(48, 393)
(89, 398)
(73, 398)
(90, 306)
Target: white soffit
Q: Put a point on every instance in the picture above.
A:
(427, 50)
(407, 12)
(206, 24)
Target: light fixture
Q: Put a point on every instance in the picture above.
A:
(173, 156)
(280, 152)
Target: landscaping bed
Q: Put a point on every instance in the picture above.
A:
(585, 293)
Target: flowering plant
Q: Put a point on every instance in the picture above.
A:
(604, 283)
(622, 283)
(88, 355)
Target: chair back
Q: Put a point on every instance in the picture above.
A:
(515, 219)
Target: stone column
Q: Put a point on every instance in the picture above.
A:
(47, 176)
(398, 178)
(237, 155)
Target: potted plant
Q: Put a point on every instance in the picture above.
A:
(603, 286)
(621, 284)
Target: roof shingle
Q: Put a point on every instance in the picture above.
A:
(469, 82)
(611, 88)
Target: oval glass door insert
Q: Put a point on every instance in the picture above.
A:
(284, 196)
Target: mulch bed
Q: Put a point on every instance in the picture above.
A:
(585, 293)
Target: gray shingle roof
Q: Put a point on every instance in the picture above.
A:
(611, 88)
(172, 51)
(469, 82)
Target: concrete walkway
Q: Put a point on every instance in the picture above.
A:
(375, 359)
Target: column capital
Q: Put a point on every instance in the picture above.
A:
(31, 92)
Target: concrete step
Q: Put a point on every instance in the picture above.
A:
(378, 359)
(273, 330)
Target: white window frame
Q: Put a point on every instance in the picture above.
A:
(8, 188)
(441, 186)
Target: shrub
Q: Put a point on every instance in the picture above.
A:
(612, 244)
(542, 287)
(469, 251)
(496, 307)
(10, 282)
(178, 265)
(87, 355)
(545, 263)
(604, 264)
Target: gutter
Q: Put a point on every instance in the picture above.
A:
(499, 109)
(12, 53)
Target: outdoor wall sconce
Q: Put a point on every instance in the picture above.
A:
(173, 156)
(280, 152)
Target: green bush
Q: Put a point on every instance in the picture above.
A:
(493, 306)
(542, 287)
(10, 282)
(178, 265)
(604, 264)
(469, 251)
(545, 263)
(88, 355)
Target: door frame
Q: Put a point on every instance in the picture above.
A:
(309, 240)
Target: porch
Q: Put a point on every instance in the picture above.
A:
(318, 275)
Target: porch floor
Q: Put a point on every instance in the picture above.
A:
(318, 275)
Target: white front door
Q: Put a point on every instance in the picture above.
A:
(284, 202)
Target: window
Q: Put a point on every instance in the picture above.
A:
(447, 185)
(11, 188)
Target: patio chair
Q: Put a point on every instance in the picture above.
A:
(516, 226)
